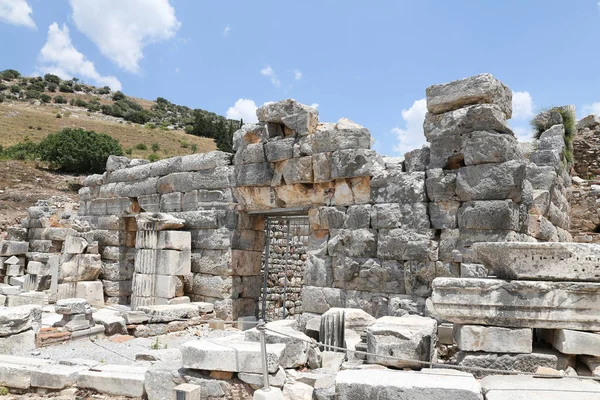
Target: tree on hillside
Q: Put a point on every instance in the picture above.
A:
(52, 79)
(203, 126)
(9, 74)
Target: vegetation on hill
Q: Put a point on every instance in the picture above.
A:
(161, 114)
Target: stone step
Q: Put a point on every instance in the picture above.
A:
(541, 261)
(170, 312)
(518, 304)
(431, 385)
(230, 355)
(501, 387)
(55, 376)
(117, 380)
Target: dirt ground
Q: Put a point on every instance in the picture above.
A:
(23, 183)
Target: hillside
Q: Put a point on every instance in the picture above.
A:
(33, 107)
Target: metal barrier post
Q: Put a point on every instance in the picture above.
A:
(263, 351)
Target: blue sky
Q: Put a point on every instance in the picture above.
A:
(367, 61)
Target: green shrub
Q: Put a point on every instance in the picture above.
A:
(78, 150)
(80, 103)
(15, 89)
(104, 90)
(22, 151)
(194, 148)
(1, 98)
(32, 94)
(141, 147)
(52, 87)
(94, 105)
(118, 95)
(155, 147)
(60, 100)
(184, 143)
(77, 88)
(65, 88)
(45, 98)
(58, 115)
(50, 78)
(151, 126)
(3, 86)
(9, 74)
(153, 157)
(4, 391)
(129, 151)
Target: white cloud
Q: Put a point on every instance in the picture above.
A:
(523, 133)
(16, 12)
(269, 72)
(226, 30)
(593, 108)
(411, 136)
(522, 104)
(122, 28)
(315, 105)
(297, 74)
(177, 70)
(60, 57)
(243, 109)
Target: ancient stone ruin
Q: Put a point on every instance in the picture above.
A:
(460, 254)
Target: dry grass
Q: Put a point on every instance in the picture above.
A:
(19, 120)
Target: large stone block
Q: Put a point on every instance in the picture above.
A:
(279, 149)
(251, 153)
(396, 215)
(12, 248)
(353, 243)
(124, 381)
(441, 185)
(399, 187)
(508, 362)
(510, 387)
(368, 274)
(489, 215)
(574, 342)
(402, 244)
(518, 304)
(296, 343)
(320, 299)
(493, 339)
(91, 291)
(258, 174)
(416, 160)
(212, 262)
(219, 178)
(491, 182)
(541, 261)
(298, 117)
(478, 89)
(409, 337)
(352, 163)
(482, 147)
(409, 385)
(18, 343)
(230, 355)
(80, 267)
(14, 320)
(443, 215)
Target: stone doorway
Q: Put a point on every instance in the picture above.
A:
(283, 263)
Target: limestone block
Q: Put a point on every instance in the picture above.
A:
(402, 244)
(215, 286)
(396, 215)
(410, 337)
(18, 343)
(416, 160)
(218, 178)
(213, 262)
(174, 240)
(117, 288)
(149, 202)
(550, 158)
(111, 320)
(491, 182)
(468, 270)
(17, 319)
(489, 215)
(443, 215)
(541, 178)
(12, 248)
(173, 262)
(575, 342)
(229, 355)
(251, 153)
(7, 289)
(244, 239)
(552, 139)
(170, 312)
(204, 161)
(340, 137)
(27, 298)
(72, 306)
(74, 245)
(321, 163)
(119, 382)
(352, 163)
(368, 274)
(117, 271)
(370, 384)
(493, 339)
(320, 299)
(200, 219)
(297, 170)
(483, 117)
(483, 147)
(504, 387)
(399, 187)
(541, 261)
(441, 185)
(80, 267)
(256, 380)
(279, 150)
(527, 304)
(166, 286)
(15, 376)
(245, 263)
(298, 117)
(170, 202)
(509, 362)
(119, 206)
(211, 239)
(353, 243)
(418, 276)
(295, 354)
(91, 291)
(55, 376)
(478, 89)
(318, 270)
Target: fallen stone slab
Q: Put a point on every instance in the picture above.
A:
(15, 376)
(13, 248)
(230, 355)
(27, 298)
(72, 306)
(296, 346)
(502, 387)
(297, 391)
(410, 337)
(573, 342)
(111, 320)
(19, 342)
(518, 304)
(119, 382)
(256, 380)
(493, 339)
(55, 376)
(409, 385)
(170, 312)
(541, 261)
(18, 319)
(506, 362)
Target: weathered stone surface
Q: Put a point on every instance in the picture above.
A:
(258, 174)
(482, 147)
(279, 149)
(541, 261)
(118, 380)
(352, 163)
(528, 304)
(489, 215)
(18, 343)
(18, 319)
(72, 306)
(478, 89)
(491, 182)
(298, 117)
(416, 160)
(256, 380)
(441, 185)
(552, 139)
(55, 376)
(574, 342)
(509, 362)
(230, 355)
(493, 339)
(410, 385)
(443, 215)
(409, 337)
(295, 354)
(395, 215)
(402, 244)
(12, 248)
(251, 153)
(297, 391)
(170, 312)
(504, 387)
(398, 187)
(113, 322)
(157, 222)
(446, 131)
(353, 243)
(117, 271)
